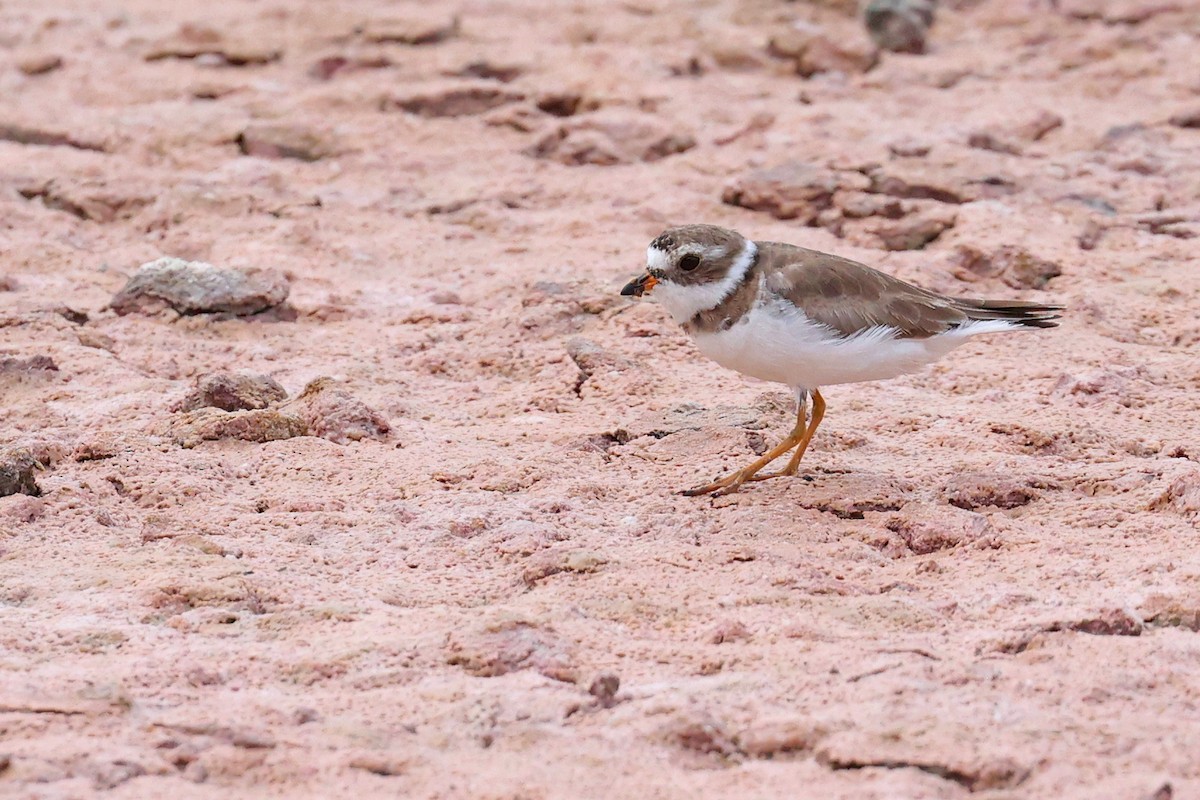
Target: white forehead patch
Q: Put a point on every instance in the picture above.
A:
(656, 260)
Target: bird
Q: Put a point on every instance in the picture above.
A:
(807, 319)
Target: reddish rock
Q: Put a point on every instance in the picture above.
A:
(812, 52)
(921, 530)
(591, 357)
(974, 490)
(40, 63)
(1111, 622)
(793, 190)
(417, 28)
(1182, 496)
(604, 689)
(1186, 119)
(98, 201)
(987, 771)
(909, 148)
(922, 182)
(773, 738)
(1010, 137)
(207, 424)
(333, 413)
(197, 41)
(1180, 224)
(860, 205)
(380, 764)
(505, 73)
(564, 104)
(612, 137)
(701, 735)
(915, 231)
(1171, 611)
(96, 340)
(1012, 264)
(279, 140)
(34, 366)
(47, 136)
(459, 101)
(491, 650)
(994, 141)
(232, 392)
(1119, 12)
(1037, 127)
(729, 631)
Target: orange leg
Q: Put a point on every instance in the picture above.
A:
(799, 438)
(818, 413)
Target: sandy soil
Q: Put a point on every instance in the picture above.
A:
(986, 582)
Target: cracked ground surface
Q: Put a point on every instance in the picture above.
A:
(984, 582)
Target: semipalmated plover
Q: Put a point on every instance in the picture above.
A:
(807, 319)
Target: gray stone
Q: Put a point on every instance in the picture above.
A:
(194, 287)
(16, 473)
(899, 25)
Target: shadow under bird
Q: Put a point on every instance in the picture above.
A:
(807, 319)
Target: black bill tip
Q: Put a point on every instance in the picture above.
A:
(639, 286)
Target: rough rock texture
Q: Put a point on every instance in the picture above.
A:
(208, 424)
(983, 583)
(31, 367)
(793, 190)
(1011, 136)
(85, 199)
(17, 469)
(457, 101)
(333, 413)
(418, 26)
(509, 645)
(237, 391)
(214, 47)
(899, 25)
(916, 231)
(1011, 264)
(608, 138)
(812, 52)
(194, 287)
(284, 141)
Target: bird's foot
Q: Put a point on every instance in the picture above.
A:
(787, 472)
(722, 486)
(734, 481)
(716, 488)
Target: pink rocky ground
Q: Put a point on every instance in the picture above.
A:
(451, 562)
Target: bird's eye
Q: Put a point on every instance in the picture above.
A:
(689, 262)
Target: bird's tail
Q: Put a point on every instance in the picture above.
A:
(1029, 315)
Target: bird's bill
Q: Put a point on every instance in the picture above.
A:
(640, 286)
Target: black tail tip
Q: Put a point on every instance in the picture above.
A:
(1039, 322)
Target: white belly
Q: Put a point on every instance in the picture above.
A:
(787, 347)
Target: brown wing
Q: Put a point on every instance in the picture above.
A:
(851, 297)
